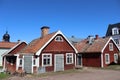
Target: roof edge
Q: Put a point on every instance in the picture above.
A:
(13, 48)
(107, 44)
(58, 32)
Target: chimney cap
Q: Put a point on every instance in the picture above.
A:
(96, 36)
(45, 27)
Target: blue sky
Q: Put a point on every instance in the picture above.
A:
(24, 18)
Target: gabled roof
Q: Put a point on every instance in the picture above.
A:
(37, 45)
(97, 46)
(15, 46)
(74, 40)
(7, 45)
(110, 26)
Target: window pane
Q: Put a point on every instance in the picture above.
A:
(111, 46)
(107, 59)
(44, 62)
(34, 62)
(70, 60)
(115, 58)
(20, 61)
(48, 56)
(115, 31)
(59, 38)
(48, 61)
(45, 55)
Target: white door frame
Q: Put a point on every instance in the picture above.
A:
(77, 60)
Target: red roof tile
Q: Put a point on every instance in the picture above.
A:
(96, 46)
(36, 44)
(7, 45)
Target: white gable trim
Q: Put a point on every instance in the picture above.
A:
(12, 48)
(108, 42)
(58, 32)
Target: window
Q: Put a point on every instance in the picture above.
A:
(111, 46)
(59, 39)
(116, 41)
(69, 58)
(47, 59)
(107, 58)
(20, 62)
(34, 61)
(115, 58)
(115, 31)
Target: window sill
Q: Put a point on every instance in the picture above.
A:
(69, 63)
(107, 63)
(46, 65)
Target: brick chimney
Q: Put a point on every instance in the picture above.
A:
(44, 31)
(96, 36)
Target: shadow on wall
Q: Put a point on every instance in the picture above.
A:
(119, 59)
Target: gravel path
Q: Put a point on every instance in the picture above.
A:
(86, 74)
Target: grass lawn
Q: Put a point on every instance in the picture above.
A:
(3, 75)
(113, 67)
(1, 67)
(57, 73)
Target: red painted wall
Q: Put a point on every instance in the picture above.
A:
(55, 47)
(111, 53)
(91, 59)
(10, 66)
(19, 47)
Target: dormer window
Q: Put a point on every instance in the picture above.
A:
(116, 40)
(59, 39)
(115, 31)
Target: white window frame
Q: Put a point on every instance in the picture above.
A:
(116, 58)
(111, 46)
(115, 31)
(67, 56)
(60, 39)
(107, 56)
(49, 58)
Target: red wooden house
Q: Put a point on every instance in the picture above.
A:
(97, 52)
(50, 52)
(10, 58)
